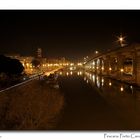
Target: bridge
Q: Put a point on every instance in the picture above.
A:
(121, 63)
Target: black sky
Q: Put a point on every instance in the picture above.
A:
(70, 34)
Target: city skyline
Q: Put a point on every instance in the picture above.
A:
(70, 70)
(69, 34)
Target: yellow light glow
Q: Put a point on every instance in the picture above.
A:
(102, 80)
(71, 68)
(96, 52)
(79, 64)
(84, 78)
(110, 84)
(93, 62)
(121, 39)
(102, 68)
(121, 89)
(110, 68)
(122, 70)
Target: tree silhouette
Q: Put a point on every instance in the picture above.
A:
(10, 66)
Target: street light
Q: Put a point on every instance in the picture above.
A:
(122, 70)
(96, 52)
(121, 40)
(110, 68)
(121, 89)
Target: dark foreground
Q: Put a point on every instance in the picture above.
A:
(33, 106)
(83, 102)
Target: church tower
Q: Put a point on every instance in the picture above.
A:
(39, 53)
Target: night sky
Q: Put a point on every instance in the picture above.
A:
(70, 34)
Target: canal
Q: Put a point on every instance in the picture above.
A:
(93, 102)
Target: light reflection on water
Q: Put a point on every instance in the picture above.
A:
(102, 83)
(123, 97)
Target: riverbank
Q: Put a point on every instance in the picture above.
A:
(32, 106)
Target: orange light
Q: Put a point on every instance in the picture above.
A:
(122, 89)
(110, 83)
(122, 70)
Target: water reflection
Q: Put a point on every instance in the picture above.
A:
(70, 73)
(121, 98)
(124, 97)
(102, 83)
(98, 82)
(67, 73)
(132, 89)
(79, 73)
(85, 78)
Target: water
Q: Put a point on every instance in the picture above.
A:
(83, 101)
(97, 103)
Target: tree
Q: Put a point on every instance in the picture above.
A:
(10, 66)
(15, 66)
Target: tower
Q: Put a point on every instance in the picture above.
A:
(39, 53)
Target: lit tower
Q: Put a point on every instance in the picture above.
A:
(39, 53)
